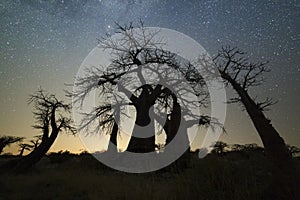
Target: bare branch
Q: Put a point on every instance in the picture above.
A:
(264, 105)
(236, 69)
(50, 113)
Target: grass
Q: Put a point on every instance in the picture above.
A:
(83, 177)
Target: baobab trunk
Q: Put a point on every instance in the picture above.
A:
(141, 145)
(37, 154)
(285, 176)
(171, 126)
(176, 125)
(274, 144)
(143, 134)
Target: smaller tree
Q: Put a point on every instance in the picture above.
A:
(8, 140)
(252, 147)
(52, 117)
(36, 141)
(219, 148)
(23, 147)
(237, 147)
(294, 151)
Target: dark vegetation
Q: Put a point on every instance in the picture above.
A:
(8, 140)
(241, 172)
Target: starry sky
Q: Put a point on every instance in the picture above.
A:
(43, 43)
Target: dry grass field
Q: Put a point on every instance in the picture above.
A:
(68, 176)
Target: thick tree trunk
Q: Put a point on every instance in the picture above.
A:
(37, 154)
(144, 141)
(172, 125)
(286, 178)
(141, 145)
(143, 137)
(176, 125)
(143, 134)
(274, 144)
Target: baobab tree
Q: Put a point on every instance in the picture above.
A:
(34, 143)
(52, 117)
(8, 140)
(137, 56)
(242, 75)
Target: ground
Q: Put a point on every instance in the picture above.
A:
(67, 176)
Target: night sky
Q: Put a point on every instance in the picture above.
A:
(43, 43)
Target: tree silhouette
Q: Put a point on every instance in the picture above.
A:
(135, 55)
(51, 117)
(23, 147)
(8, 140)
(252, 147)
(294, 151)
(246, 147)
(242, 75)
(36, 141)
(219, 148)
(237, 147)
